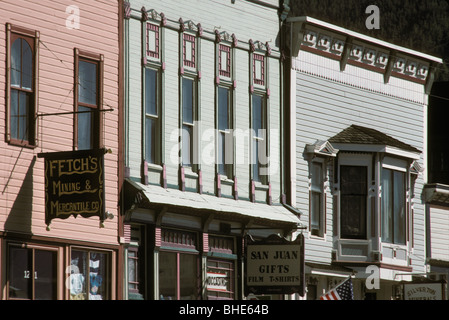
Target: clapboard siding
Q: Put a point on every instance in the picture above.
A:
(21, 171)
(223, 17)
(439, 231)
(324, 107)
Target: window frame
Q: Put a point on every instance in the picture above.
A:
(225, 169)
(189, 38)
(157, 144)
(193, 165)
(363, 235)
(108, 270)
(97, 119)
(405, 199)
(32, 37)
(31, 248)
(259, 58)
(153, 28)
(320, 190)
(255, 139)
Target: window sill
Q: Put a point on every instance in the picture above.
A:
(226, 180)
(154, 167)
(19, 143)
(259, 186)
(188, 173)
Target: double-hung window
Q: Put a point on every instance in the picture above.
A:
(189, 114)
(354, 191)
(88, 97)
(259, 139)
(152, 117)
(225, 137)
(22, 82)
(393, 215)
(317, 199)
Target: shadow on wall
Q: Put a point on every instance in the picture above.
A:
(19, 218)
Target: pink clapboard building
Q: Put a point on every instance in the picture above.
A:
(59, 151)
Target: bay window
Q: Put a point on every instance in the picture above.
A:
(393, 215)
(354, 191)
(317, 200)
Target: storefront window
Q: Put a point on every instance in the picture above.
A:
(220, 279)
(178, 276)
(32, 273)
(178, 266)
(88, 275)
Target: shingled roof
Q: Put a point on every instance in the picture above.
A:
(361, 135)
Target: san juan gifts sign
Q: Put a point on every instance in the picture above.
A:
(74, 184)
(274, 265)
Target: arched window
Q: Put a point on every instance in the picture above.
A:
(22, 85)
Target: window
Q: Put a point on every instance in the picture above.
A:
(153, 41)
(22, 78)
(220, 279)
(32, 273)
(189, 50)
(224, 61)
(317, 200)
(259, 69)
(89, 275)
(88, 98)
(225, 138)
(393, 218)
(178, 266)
(189, 114)
(259, 139)
(152, 117)
(353, 207)
(133, 270)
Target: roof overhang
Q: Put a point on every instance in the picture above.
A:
(436, 194)
(354, 147)
(334, 28)
(153, 197)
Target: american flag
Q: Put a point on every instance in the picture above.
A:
(342, 292)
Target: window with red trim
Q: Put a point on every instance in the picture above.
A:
(224, 61)
(259, 69)
(189, 50)
(153, 40)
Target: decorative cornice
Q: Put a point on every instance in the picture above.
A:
(322, 148)
(189, 25)
(365, 55)
(225, 36)
(258, 45)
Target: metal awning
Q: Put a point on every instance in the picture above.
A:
(153, 196)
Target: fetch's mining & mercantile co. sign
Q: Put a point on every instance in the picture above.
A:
(74, 184)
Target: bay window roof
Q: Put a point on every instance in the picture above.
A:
(358, 138)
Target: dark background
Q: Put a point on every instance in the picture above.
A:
(421, 25)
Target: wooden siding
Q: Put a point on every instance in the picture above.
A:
(327, 101)
(439, 231)
(21, 172)
(223, 16)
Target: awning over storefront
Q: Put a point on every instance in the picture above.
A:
(153, 196)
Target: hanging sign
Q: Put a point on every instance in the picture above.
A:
(74, 184)
(274, 266)
(424, 291)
